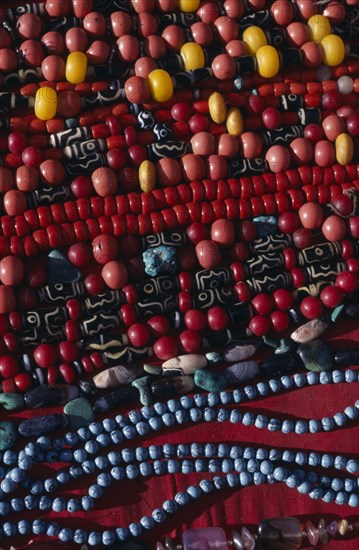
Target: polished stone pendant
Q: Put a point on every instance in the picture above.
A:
(316, 355)
(280, 534)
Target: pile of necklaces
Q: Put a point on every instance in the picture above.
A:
(179, 261)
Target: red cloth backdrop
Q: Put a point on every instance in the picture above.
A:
(127, 501)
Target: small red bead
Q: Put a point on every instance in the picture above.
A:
(279, 320)
(67, 372)
(53, 375)
(259, 325)
(68, 351)
(131, 294)
(74, 309)
(191, 341)
(311, 307)
(9, 366)
(15, 319)
(23, 382)
(290, 258)
(347, 281)
(87, 364)
(239, 271)
(94, 284)
(263, 303)
(96, 359)
(218, 318)
(298, 277)
(185, 301)
(32, 156)
(165, 348)
(159, 325)
(243, 291)
(195, 320)
(185, 281)
(288, 222)
(11, 342)
(283, 299)
(79, 254)
(197, 232)
(72, 331)
(248, 231)
(138, 334)
(332, 296)
(45, 356)
(302, 238)
(129, 314)
(353, 265)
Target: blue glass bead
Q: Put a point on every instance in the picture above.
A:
(87, 503)
(173, 466)
(147, 522)
(340, 462)
(51, 456)
(104, 440)
(261, 421)
(170, 506)
(274, 425)
(4, 508)
(9, 529)
(159, 515)
(300, 427)
(222, 415)
(84, 433)
(155, 423)
(108, 538)
(25, 462)
(122, 533)
(227, 466)
(351, 412)
(66, 456)
(210, 450)
(338, 376)
(206, 485)
(341, 498)
(292, 482)
(200, 400)
(235, 452)
(182, 498)
(280, 474)
(300, 458)
(155, 451)
(80, 455)
(80, 536)
(37, 487)
(350, 376)
(312, 378)
(71, 439)
(226, 397)
(73, 505)
(353, 500)
(94, 538)
(95, 491)
(195, 414)
(213, 399)
(181, 416)
(31, 449)
(182, 450)
(253, 465)
(145, 469)
(108, 424)
(223, 450)
(259, 478)
(95, 428)
(250, 392)
(316, 493)
(238, 395)
(263, 388)
(38, 527)
(287, 426)
(104, 479)
(135, 416)
(232, 480)
(17, 504)
(240, 465)
(58, 504)
(173, 405)
(304, 487)
(53, 529)
(196, 450)
(214, 465)
(328, 424)
(121, 420)
(328, 496)
(160, 408)
(17, 475)
(325, 481)
(92, 447)
(200, 465)
(275, 455)
(169, 419)
(288, 456)
(31, 502)
(117, 473)
(186, 401)
(88, 466)
(187, 467)
(45, 503)
(209, 414)
(248, 452)
(159, 467)
(248, 419)
(337, 484)
(245, 479)
(300, 380)
(340, 419)
(314, 459)
(353, 466)
(9, 457)
(128, 455)
(24, 527)
(129, 432)
(141, 454)
(142, 428)
(116, 437)
(62, 477)
(261, 454)
(325, 377)
(194, 491)
(219, 482)
(266, 467)
(314, 426)
(8, 485)
(275, 385)
(327, 461)
(101, 462)
(287, 382)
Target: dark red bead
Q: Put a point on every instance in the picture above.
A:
(195, 320)
(347, 281)
(159, 325)
(271, 118)
(53, 375)
(131, 294)
(23, 382)
(197, 232)
(353, 265)
(302, 238)
(331, 100)
(239, 271)
(17, 141)
(311, 307)
(11, 342)
(343, 205)
(117, 158)
(332, 296)
(74, 309)
(68, 351)
(255, 104)
(259, 325)
(138, 334)
(263, 303)
(96, 359)
(353, 125)
(185, 281)
(279, 320)
(181, 111)
(198, 123)
(128, 314)
(45, 356)
(283, 299)
(314, 132)
(72, 331)
(217, 318)
(15, 319)
(288, 222)
(87, 364)
(32, 156)
(298, 277)
(191, 341)
(9, 366)
(243, 291)
(184, 301)
(166, 347)
(67, 372)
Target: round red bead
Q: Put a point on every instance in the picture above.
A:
(347, 281)
(159, 325)
(9, 366)
(195, 320)
(218, 318)
(283, 299)
(332, 296)
(45, 356)
(259, 325)
(165, 348)
(138, 334)
(191, 341)
(311, 307)
(279, 320)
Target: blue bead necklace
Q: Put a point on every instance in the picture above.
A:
(235, 466)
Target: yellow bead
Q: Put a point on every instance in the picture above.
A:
(193, 56)
(188, 6)
(161, 85)
(147, 176)
(267, 61)
(45, 103)
(76, 67)
(255, 38)
(217, 107)
(334, 50)
(319, 27)
(234, 122)
(344, 149)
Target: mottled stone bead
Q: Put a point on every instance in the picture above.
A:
(261, 421)
(235, 417)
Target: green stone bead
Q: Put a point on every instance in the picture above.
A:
(8, 435)
(316, 355)
(152, 369)
(143, 385)
(12, 401)
(79, 413)
(209, 380)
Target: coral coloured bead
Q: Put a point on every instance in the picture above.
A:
(165, 348)
(217, 318)
(334, 228)
(45, 356)
(332, 296)
(138, 334)
(161, 85)
(208, 254)
(259, 325)
(11, 271)
(347, 281)
(45, 103)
